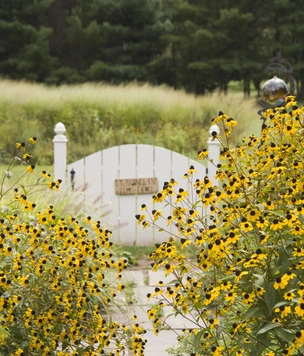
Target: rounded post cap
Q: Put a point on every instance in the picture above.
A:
(60, 128)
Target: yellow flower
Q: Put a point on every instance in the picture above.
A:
(32, 140)
(239, 274)
(156, 214)
(248, 298)
(159, 197)
(20, 145)
(299, 309)
(284, 310)
(182, 194)
(191, 170)
(230, 297)
(27, 156)
(289, 296)
(30, 168)
(203, 153)
(140, 218)
(213, 322)
(280, 283)
(45, 175)
(217, 350)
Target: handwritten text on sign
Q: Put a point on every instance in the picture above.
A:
(136, 186)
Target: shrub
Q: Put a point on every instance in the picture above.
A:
(238, 270)
(59, 277)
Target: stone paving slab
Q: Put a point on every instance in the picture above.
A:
(136, 276)
(156, 344)
(155, 277)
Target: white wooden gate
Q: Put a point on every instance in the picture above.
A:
(98, 172)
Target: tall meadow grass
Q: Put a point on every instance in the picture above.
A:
(98, 116)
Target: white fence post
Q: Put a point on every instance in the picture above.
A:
(60, 152)
(214, 154)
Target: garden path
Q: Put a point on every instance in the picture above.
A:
(144, 282)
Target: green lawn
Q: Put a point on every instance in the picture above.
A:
(20, 176)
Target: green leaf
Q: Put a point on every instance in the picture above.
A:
(262, 344)
(272, 296)
(279, 213)
(195, 204)
(268, 327)
(285, 334)
(278, 305)
(198, 336)
(253, 311)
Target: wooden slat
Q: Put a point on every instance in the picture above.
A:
(200, 174)
(201, 169)
(93, 177)
(163, 171)
(127, 204)
(145, 168)
(180, 166)
(110, 171)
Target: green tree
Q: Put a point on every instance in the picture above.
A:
(24, 41)
(204, 48)
(129, 37)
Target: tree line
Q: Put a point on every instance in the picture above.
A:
(197, 45)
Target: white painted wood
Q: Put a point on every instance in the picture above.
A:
(163, 170)
(100, 170)
(200, 168)
(145, 169)
(180, 166)
(214, 154)
(60, 152)
(127, 203)
(110, 172)
(200, 174)
(145, 161)
(93, 177)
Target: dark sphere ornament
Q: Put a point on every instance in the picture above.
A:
(274, 92)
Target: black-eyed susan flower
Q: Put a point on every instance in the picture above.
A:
(156, 214)
(31, 168)
(299, 309)
(203, 153)
(283, 310)
(280, 283)
(20, 145)
(27, 157)
(182, 194)
(289, 295)
(140, 218)
(32, 140)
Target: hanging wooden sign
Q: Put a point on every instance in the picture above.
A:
(136, 186)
